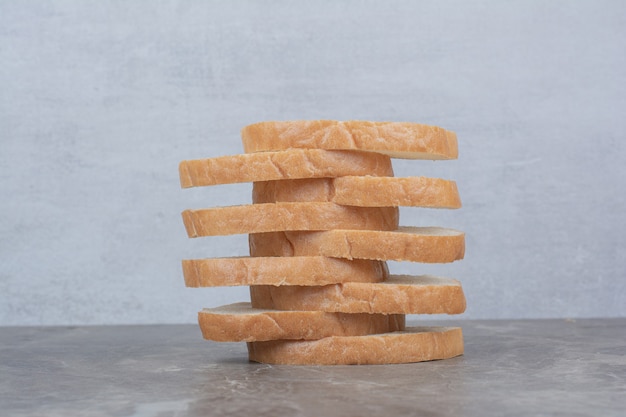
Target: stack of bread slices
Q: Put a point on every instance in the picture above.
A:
(323, 222)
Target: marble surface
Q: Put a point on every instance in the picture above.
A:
(510, 368)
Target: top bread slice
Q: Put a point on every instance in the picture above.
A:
(288, 164)
(396, 139)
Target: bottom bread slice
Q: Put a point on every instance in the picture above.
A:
(240, 322)
(415, 344)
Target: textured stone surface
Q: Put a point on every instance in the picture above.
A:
(510, 368)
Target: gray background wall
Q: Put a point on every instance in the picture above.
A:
(99, 101)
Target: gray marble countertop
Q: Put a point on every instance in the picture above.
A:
(510, 368)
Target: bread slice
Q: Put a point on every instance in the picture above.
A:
(273, 217)
(241, 323)
(310, 189)
(415, 344)
(414, 244)
(297, 270)
(400, 294)
(398, 140)
(362, 191)
(289, 164)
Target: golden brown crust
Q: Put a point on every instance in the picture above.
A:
(272, 217)
(324, 220)
(400, 294)
(415, 344)
(310, 189)
(362, 191)
(299, 270)
(288, 164)
(241, 323)
(414, 244)
(396, 139)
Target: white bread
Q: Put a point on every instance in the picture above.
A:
(396, 139)
(414, 244)
(324, 219)
(399, 294)
(297, 270)
(289, 164)
(241, 323)
(273, 217)
(415, 344)
(362, 191)
(310, 189)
